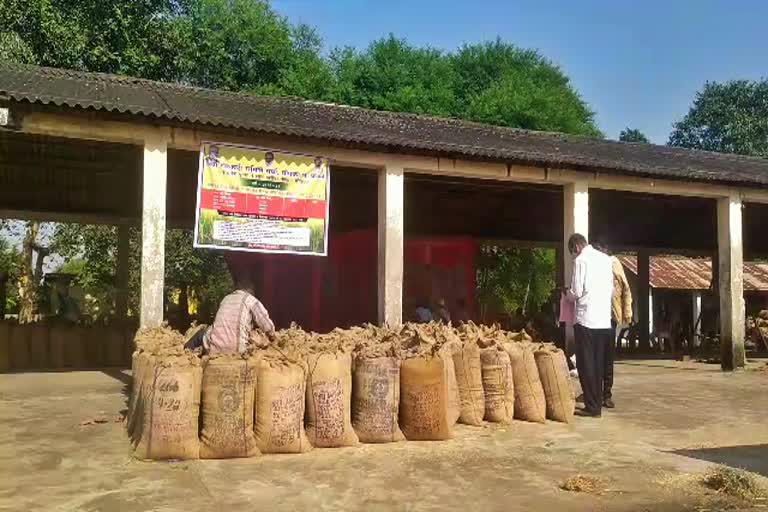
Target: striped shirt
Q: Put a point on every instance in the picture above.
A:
(239, 313)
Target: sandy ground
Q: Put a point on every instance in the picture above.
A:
(672, 420)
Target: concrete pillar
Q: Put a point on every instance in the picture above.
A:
(575, 220)
(731, 281)
(391, 228)
(650, 310)
(696, 325)
(153, 231)
(644, 302)
(123, 258)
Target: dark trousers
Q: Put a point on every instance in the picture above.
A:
(196, 340)
(590, 358)
(610, 356)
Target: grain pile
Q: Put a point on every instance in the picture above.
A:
(368, 384)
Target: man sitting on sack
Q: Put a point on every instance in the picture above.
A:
(239, 313)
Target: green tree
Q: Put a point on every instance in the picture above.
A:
(511, 279)
(729, 117)
(633, 135)
(190, 271)
(119, 36)
(239, 45)
(493, 82)
(10, 266)
(502, 84)
(396, 76)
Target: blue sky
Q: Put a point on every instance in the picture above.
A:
(637, 63)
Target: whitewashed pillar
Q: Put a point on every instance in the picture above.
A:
(390, 254)
(696, 314)
(153, 231)
(575, 220)
(731, 281)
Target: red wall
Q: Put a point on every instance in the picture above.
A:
(341, 290)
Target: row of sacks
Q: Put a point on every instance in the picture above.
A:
(365, 384)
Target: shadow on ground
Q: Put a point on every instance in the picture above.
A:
(753, 458)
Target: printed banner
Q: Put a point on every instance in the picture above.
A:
(261, 200)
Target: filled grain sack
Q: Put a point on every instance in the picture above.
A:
(498, 385)
(426, 412)
(142, 370)
(280, 389)
(329, 400)
(469, 379)
(227, 401)
(555, 379)
(169, 408)
(376, 399)
(530, 404)
(454, 401)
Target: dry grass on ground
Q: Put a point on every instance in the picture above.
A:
(733, 482)
(583, 483)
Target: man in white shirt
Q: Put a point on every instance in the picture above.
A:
(592, 291)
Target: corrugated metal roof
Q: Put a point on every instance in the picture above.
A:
(346, 125)
(680, 273)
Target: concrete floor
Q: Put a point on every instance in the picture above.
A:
(672, 418)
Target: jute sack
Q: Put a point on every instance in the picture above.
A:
(530, 404)
(376, 399)
(142, 369)
(280, 389)
(169, 410)
(227, 401)
(498, 385)
(469, 378)
(425, 398)
(558, 392)
(329, 400)
(137, 361)
(454, 402)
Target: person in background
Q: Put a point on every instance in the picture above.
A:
(461, 315)
(621, 315)
(423, 313)
(591, 290)
(239, 313)
(441, 312)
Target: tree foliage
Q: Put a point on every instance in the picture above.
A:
(496, 83)
(729, 117)
(512, 279)
(203, 273)
(633, 135)
(118, 36)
